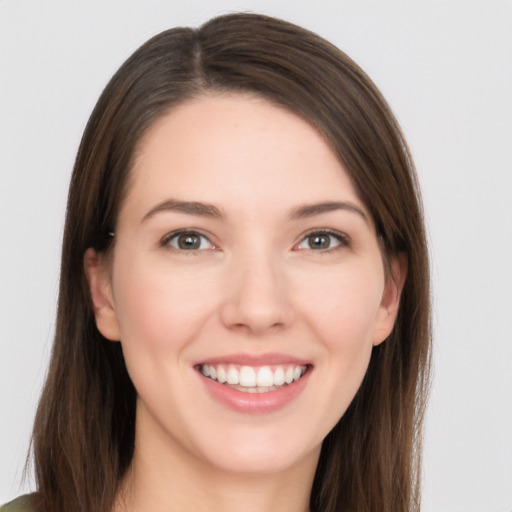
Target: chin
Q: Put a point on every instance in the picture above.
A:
(260, 452)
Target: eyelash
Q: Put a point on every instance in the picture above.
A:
(166, 241)
(342, 239)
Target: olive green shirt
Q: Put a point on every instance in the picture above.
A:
(21, 504)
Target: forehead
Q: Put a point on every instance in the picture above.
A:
(239, 149)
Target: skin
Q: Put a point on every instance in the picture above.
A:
(254, 286)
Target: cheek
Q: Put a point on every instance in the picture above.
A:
(160, 313)
(343, 306)
(158, 309)
(342, 319)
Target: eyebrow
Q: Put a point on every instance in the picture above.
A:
(188, 207)
(310, 210)
(211, 211)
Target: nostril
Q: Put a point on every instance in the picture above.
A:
(256, 316)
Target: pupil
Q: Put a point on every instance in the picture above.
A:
(319, 242)
(188, 242)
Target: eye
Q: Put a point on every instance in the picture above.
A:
(187, 241)
(323, 241)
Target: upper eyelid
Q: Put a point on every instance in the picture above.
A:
(325, 231)
(181, 231)
(169, 236)
(343, 239)
(328, 231)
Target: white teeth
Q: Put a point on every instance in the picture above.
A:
(221, 375)
(253, 380)
(279, 376)
(265, 377)
(233, 376)
(255, 390)
(247, 377)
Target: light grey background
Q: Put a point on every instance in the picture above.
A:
(446, 69)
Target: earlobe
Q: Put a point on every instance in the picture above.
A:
(390, 304)
(100, 288)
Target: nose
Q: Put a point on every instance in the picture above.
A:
(258, 300)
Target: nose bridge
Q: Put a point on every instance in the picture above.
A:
(258, 298)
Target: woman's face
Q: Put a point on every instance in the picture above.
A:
(246, 286)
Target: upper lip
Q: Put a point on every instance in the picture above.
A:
(245, 359)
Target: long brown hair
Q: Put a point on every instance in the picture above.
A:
(83, 437)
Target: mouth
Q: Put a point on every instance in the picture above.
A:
(254, 384)
(254, 379)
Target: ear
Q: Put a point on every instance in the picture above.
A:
(389, 306)
(100, 287)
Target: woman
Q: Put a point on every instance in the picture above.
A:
(243, 314)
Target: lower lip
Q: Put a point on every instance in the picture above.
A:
(255, 403)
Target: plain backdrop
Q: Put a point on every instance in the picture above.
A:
(446, 69)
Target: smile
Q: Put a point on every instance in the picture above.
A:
(249, 379)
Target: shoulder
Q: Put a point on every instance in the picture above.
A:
(22, 504)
